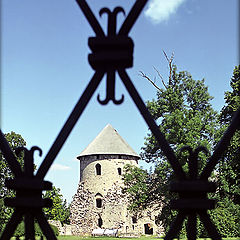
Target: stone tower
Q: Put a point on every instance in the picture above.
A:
(99, 201)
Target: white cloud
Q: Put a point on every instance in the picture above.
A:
(59, 167)
(160, 10)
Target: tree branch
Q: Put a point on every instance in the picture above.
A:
(170, 64)
(145, 76)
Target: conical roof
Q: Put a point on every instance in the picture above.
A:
(108, 141)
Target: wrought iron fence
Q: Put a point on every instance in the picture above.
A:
(112, 53)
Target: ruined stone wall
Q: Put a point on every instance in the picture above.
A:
(85, 214)
(81, 211)
(114, 213)
(63, 230)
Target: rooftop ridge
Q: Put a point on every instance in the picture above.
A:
(108, 141)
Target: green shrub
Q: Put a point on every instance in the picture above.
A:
(226, 217)
(20, 231)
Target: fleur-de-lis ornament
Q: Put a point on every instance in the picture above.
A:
(28, 202)
(193, 199)
(113, 51)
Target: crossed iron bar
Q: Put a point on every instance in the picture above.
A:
(111, 54)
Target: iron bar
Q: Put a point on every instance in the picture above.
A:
(192, 226)
(46, 229)
(132, 17)
(70, 123)
(212, 231)
(8, 154)
(175, 226)
(29, 226)
(110, 90)
(112, 19)
(167, 150)
(221, 146)
(90, 17)
(12, 224)
(28, 165)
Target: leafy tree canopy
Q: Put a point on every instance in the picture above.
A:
(14, 140)
(183, 110)
(185, 115)
(59, 210)
(229, 175)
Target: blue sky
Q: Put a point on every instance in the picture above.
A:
(44, 68)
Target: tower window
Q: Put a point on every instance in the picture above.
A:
(119, 171)
(98, 202)
(100, 222)
(134, 220)
(98, 169)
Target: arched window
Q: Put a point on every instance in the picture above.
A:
(119, 171)
(98, 198)
(98, 169)
(98, 202)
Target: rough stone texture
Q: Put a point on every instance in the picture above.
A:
(63, 230)
(99, 201)
(108, 187)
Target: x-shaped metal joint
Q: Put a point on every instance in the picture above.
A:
(192, 199)
(112, 51)
(193, 189)
(28, 201)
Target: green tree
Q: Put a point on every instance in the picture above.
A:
(59, 210)
(14, 140)
(185, 115)
(136, 185)
(229, 175)
(227, 213)
(183, 110)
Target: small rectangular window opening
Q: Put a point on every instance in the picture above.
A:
(134, 220)
(98, 169)
(119, 171)
(98, 202)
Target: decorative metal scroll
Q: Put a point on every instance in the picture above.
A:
(112, 53)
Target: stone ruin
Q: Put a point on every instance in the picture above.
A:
(99, 202)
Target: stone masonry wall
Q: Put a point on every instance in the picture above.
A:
(85, 215)
(107, 186)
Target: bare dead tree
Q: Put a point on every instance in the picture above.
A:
(160, 77)
(150, 80)
(170, 65)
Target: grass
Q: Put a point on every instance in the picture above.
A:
(110, 238)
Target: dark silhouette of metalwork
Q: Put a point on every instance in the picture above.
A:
(28, 201)
(113, 53)
(193, 199)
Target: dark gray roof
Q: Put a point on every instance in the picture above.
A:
(108, 141)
